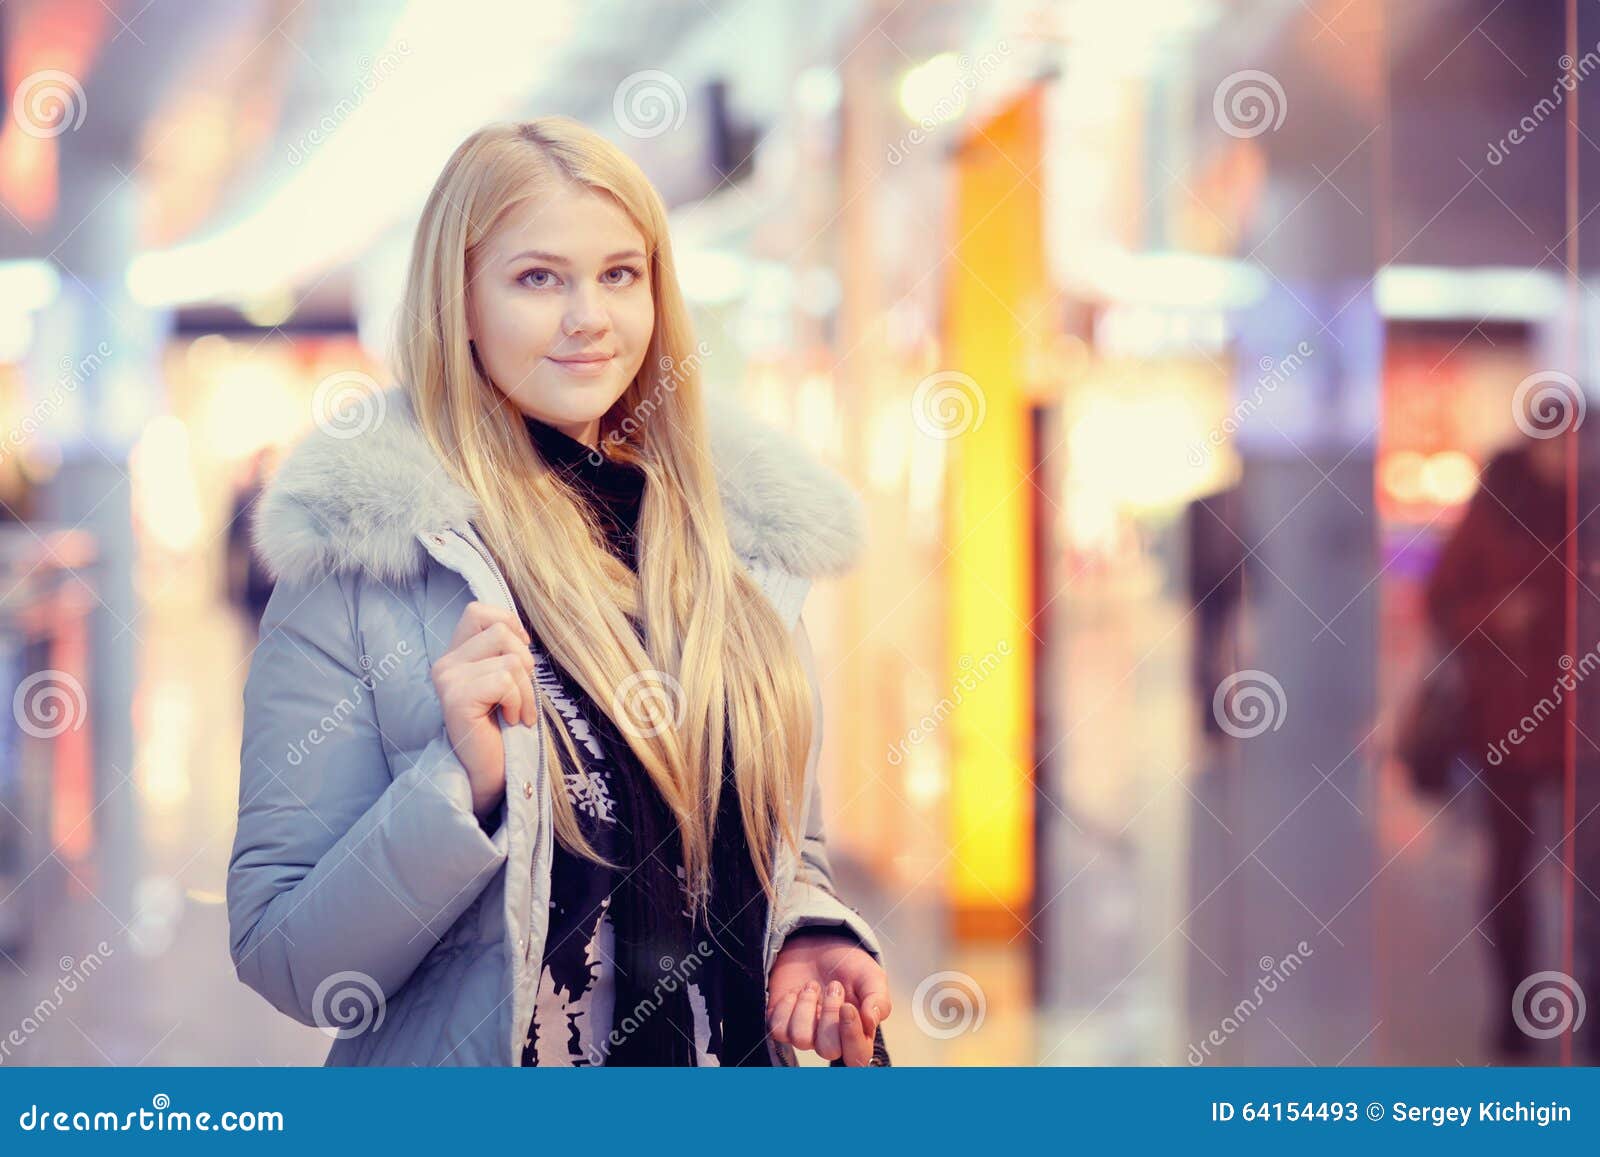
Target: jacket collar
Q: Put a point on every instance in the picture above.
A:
(344, 503)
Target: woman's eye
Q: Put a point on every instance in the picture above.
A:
(529, 278)
(629, 274)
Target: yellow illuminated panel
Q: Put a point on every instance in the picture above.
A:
(996, 278)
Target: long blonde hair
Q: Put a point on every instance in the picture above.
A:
(716, 670)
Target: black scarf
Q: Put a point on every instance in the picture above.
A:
(658, 948)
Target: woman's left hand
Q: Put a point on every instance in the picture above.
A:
(827, 993)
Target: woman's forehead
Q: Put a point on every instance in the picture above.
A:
(577, 226)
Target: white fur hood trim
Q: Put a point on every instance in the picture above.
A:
(358, 502)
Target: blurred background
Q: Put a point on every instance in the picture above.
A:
(1214, 373)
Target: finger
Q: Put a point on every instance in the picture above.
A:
(507, 684)
(828, 1027)
(869, 1023)
(491, 683)
(473, 619)
(515, 708)
(510, 701)
(496, 640)
(778, 1018)
(854, 1038)
(530, 696)
(875, 1005)
(527, 699)
(479, 616)
(803, 1022)
(499, 638)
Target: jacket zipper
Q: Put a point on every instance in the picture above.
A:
(538, 717)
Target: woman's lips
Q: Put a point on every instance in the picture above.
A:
(587, 367)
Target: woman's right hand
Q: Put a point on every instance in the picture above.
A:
(488, 664)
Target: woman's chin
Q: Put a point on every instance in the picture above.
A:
(568, 398)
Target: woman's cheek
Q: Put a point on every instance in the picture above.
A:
(640, 324)
(534, 331)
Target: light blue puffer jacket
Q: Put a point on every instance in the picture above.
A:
(363, 895)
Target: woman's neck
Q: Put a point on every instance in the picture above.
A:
(586, 434)
(559, 443)
(613, 489)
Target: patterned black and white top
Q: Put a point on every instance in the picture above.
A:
(574, 1014)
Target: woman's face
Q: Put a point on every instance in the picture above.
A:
(560, 307)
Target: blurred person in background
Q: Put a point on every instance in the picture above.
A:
(16, 490)
(1496, 601)
(1217, 565)
(249, 584)
(545, 535)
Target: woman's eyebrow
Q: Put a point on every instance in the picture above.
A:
(557, 259)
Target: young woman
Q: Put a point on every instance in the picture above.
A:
(531, 734)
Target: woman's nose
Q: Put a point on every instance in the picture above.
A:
(586, 313)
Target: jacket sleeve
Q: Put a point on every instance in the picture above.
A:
(813, 900)
(340, 863)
